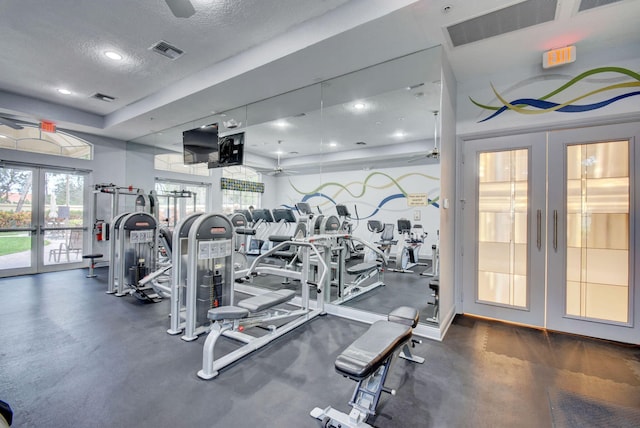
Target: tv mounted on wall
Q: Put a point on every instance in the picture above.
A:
(230, 151)
(200, 145)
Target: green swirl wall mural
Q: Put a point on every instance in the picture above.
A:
(331, 193)
(543, 105)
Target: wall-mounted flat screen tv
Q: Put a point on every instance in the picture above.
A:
(200, 145)
(230, 151)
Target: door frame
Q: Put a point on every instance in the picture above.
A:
(38, 217)
(556, 271)
(534, 313)
(629, 332)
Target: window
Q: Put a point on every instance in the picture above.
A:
(32, 139)
(233, 199)
(174, 162)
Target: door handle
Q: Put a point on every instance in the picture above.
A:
(539, 229)
(555, 230)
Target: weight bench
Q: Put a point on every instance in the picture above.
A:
(368, 361)
(232, 320)
(362, 272)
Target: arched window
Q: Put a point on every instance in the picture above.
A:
(31, 138)
(174, 162)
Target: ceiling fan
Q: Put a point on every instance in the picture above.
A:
(434, 153)
(278, 169)
(181, 8)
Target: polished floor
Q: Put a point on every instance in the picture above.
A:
(73, 356)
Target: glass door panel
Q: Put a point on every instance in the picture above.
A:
(17, 225)
(62, 218)
(502, 255)
(597, 250)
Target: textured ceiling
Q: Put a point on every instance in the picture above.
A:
(238, 52)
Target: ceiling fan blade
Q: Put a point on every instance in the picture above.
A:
(181, 8)
(10, 123)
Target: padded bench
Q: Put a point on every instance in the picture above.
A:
(369, 351)
(368, 361)
(250, 305)
(361, 268)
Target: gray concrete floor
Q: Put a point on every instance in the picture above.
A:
(73, 356)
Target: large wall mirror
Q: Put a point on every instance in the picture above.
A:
(364, 140)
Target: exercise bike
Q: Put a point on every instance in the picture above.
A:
(409, 254)
(384, 244)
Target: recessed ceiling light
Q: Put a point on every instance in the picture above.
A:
(333, 144)
(361, 143)
(64, 91)
(113, 55)
(359, 106)
(293, 153)
(281, 124)
(399, 134)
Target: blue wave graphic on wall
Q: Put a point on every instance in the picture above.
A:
(375, 211)
(570, 108)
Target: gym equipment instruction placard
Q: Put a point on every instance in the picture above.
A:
(214, 249)
(141, 236)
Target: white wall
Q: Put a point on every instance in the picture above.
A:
(375, 193)
(535, 82)
(449, 195)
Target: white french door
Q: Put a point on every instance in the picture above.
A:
(549, 230)
(42, 219)
(503, 228)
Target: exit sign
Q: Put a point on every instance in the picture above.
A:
(47, 126)
(556, 57)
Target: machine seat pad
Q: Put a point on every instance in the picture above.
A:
(361, 268)
(404, 315)
(227, 313)
(434, 284)
(265, 301)
(285, 254)
(245, 231)
(280, 238)
(368, 352)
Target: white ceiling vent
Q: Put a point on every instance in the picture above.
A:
(165, 49)
(590, 4)
(512, 18)
(103, 97)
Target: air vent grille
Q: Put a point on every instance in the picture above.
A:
(506, 20)
(165, 49)
(590, 4)
(103, 97)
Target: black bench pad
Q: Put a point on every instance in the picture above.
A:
(227, 313)
(404, 315)
(361, 268)
(369, 351)
(265, 301)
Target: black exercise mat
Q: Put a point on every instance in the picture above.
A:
(569, 409)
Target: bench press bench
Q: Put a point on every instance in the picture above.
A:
(231, 321)
(368, 361)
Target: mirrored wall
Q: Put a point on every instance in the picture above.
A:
(364, 140)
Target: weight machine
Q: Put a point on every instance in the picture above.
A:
(134, 248)
(142, 203)
(171, 209)
(210, 273)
